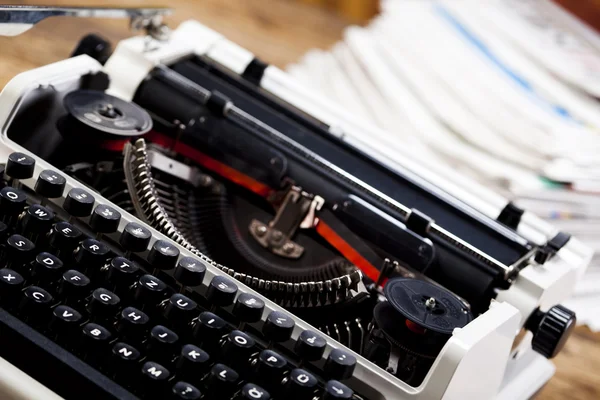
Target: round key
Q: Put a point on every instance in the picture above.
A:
(339, 364)
(20, 166)
(154, 378)
(278, 327)
(222, 380)
(122, 272)
(250, 391)
(208, 329)
(78, 203)
(161, 343)
(184, 391)
(310, 346)
(335, 390)
(91, 254)
(163, 255)
(65, 321)
(189, 271)
(193, 362)
(46, 267)
(36, 219)
(237, 349)
(180, 310)
(124, 359)
(248, 308)
(103, 303)
(270, 367)
(73, 285)
(50, 184)
(135, 237)
(36, 302)
(12, 201)
(105, 219)
(65, 237)
(95, 339)
(132, 324)
(19, 249)
(150, 290)
(221, 291)
(11, 283)
(301, 385)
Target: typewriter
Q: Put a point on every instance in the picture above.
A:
(180, 220)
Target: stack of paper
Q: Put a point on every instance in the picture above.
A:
(502, 90)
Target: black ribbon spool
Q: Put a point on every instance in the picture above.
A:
(412, 327)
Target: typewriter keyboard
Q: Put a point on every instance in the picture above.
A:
(96, 306)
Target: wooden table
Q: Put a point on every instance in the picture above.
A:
(279, 32)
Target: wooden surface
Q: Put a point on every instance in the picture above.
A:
(279, 32)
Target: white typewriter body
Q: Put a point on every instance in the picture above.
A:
(483, 360)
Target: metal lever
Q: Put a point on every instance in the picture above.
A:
(16, 19)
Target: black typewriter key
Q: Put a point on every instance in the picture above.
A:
(208, 330)
(65, 321)
(19, 250)
(78, 203)
(64, 238)
(20, 166)
(189, 271)
(162, 344)
(50, 184)
(300, 385)
(91, 255)
(36, 220)
(12, 202)
(335, 390)
(105, 219)
(270, 367)
(193, 363)
(154, 380)
(135, 238)
(163, 256)
(11, 283)
(124, 360)
(46, 267)
(74, 286)
(122, 273)
(184, 391)
(103, 304)
(149, 291)
(35, 304)
(180, 310)
(222, 381)
(248, 308)
(133, 324)
(250, 391)
(221, 292)
(237, 349)
(310, 346)
(339, 364)
(278, 327)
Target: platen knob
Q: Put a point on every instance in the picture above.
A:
(551, 329)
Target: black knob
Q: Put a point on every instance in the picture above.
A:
(221, 291)
(50, 184)
(310, 346)
(278, 327)
(189, 271)
(11, 283)
(74, 285)
(125, 360)
(163, 255)
(339, 364)
(301, 385)
(12, 201)
(237, 349)
(270, 367)
(36, 303)
(36, 219)
(46, 267)
(222, 381)
(95, 338)
(19, 250)
(250, 391)
(248, 308)
(551, 329)
(79, 203)
(91, 255)
(192, 362)
(162, 343)
(64, 237)
(103, 303)
(105, 219)
(20, 166)
(65, 321)
(135, 237)
(94, 46)
(133, 324)
(180, 310)
(208, 329)
(154, 380)
(122, 273)
(185, 391)
(335, 390)
(149, 290)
